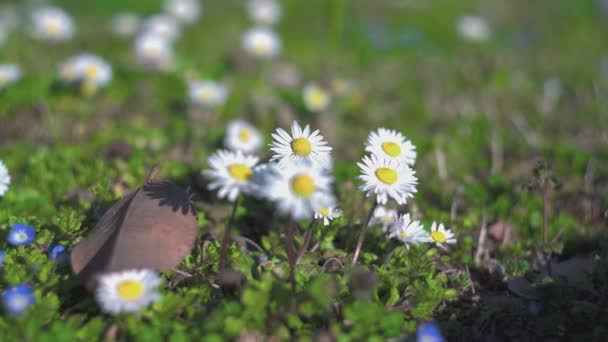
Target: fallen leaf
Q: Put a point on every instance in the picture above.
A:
(152, 227)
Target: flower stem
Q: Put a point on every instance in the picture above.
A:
(362, 233)
(306, 242)
(226, 239)
(291, 255)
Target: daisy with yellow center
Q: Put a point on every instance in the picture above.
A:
(127, 291)
(391, 144)
(231, 173)
(208, 93)
(261, 42)
(441, 235)
(298, 188)
(90, 71)
(384, 217)
(327, 214)
(154, 51)
(52, 24)
(386, 178)
(316, 99)
(408, 231)
(300, 146)
(242, 136)
(9, 73)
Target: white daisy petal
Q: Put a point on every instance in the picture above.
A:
(408, 231)
(127, 291)
(392, 145)
(299, 147)
(231, 173)
(440, 235)
(387, 177)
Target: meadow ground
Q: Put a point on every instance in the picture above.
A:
(491, 120)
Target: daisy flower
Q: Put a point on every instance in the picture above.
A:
(316, 99)
(207, 93)
(163, 26)
(18, 298)
(474, 28)
(125, 24)
(21, 234)
(9, 73)
(408, 231)
(154, 51)
(5, 178)
(327, 214)
(90, 71)
(231, 173)
(441, 235)
(298, 188)
(264, 12)
(300, 146)
(386, 178)
(52, 24)
(186, 11)
(261, 42)
(392, 145)
(384, 216)
(242, 136)
(127, 291)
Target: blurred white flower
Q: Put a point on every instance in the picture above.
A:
(384, 178)
(316, 99)
(242, 136)
(475, 28)
(300, 146)
(384, 216)
(125, 24)
(52, 24)
(390, 144)
(261, 42)
(264, 12)
(153, 51)
(127, 291)
(163, 26)
(440, 234)
(9, 73)
(5, 178)
(186, 11)
(553, 89)
(231, 173)
(90, 71)
(409, 231)
(208, 93)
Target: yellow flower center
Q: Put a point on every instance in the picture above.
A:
(303, 185)
(386, 175)
(403, 234)
(438, 237)
(301, 147)
(244, 135)
(130, 289)
(206, 94)
(317, 98)
(92, 71)
(52, 27)
(240, 172)
(388, 218)
(261, 47)
(324, 211)
(391, 148)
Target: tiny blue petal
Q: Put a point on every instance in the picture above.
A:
(429, 332)
(57, 251)
(21, 234)
(18, 298)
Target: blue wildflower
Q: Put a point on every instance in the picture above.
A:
(18, 298)
(429, 332)
(21, 234)
(1, 257)
(57, 252)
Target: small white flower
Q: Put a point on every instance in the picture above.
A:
(163, 26)
(263, 176)
(264, 12)
(9, 73)
(387, 178)
(261, 42)
(297, 189)
(154, 51)
(474, 28)
(384, 216)
(125, 24)
(186, 11)
(52, 24)
(242, 136)
(231, 173)
(327, 214)
(207, 93)
(315, 98)
(91, 71)
(5, 178)
(392, 145)
(300, 146)
(408, 231)
(127, 291)
(441, 235)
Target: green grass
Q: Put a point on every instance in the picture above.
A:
(476, 112)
